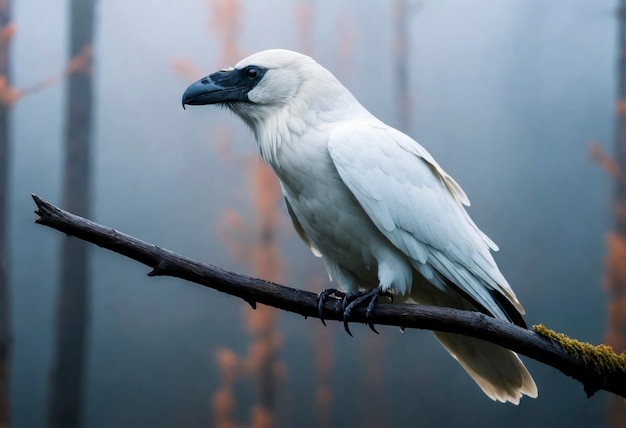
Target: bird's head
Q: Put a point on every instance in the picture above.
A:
(269, 83)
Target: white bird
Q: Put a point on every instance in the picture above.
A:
(373, 202)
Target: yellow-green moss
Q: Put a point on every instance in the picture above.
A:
(600, 358)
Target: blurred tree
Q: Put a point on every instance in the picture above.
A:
(6, 31)
(401, 63)
(304, 12)
(261, 253)
(615, 279)
(67, 379)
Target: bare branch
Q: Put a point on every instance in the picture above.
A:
(596, 367)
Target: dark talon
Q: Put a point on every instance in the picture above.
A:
(372, 305)
(345, 326)
(369, 312)
(347, 299)
(321, 300)
(352, 300)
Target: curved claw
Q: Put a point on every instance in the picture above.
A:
(352, 300)
(369, 313)
(321, 300)
(321, 303)
(347, 300)
(345, 325)
(356, 300)
(320, 310)
(371, 326)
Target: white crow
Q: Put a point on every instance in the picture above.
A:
(374, 203)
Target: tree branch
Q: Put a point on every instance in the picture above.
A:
(596, 367)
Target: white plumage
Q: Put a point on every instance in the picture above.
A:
(371, 201)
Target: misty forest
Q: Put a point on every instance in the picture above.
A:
(522, 102)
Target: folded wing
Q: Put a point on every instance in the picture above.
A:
(419, 208)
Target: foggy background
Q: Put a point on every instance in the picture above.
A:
(506, 95)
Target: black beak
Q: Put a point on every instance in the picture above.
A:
(217, 88)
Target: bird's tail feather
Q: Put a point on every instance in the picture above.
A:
(499, 372)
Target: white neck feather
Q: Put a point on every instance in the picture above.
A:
(319, 101)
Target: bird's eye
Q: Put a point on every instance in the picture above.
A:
(253, 73)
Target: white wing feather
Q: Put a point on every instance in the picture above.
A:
(418, 207)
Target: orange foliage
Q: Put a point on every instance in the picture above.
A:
(262, 318)
(230, 224)
(234, 220)
(228, 363)
(261, 253)
(266, 264)
(607, 163)
(620, 213)
(615, 280)
(7, 33)
(223, 402)
(81, 63)
(259, 352)
(347, 37)
(280, 368)
(261, 418)
(323, 360)
(620, 107)
(266, 193)
(259, 248)
(615, 285)
(304, 19)
(223, 405)
(323, 366)
(324, 396)
(8, 94)
(374, 381)
(225, 22)
(186, 68)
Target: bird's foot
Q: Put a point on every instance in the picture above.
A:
(352, 300)
(323, 296)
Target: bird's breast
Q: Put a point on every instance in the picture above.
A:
(330, 215)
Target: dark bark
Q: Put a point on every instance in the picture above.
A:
(590, 367)
(72, 322)
(5, 107)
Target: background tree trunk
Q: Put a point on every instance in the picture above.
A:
(615, 280)
(5, 107)
(66, 393)
(401, 15)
